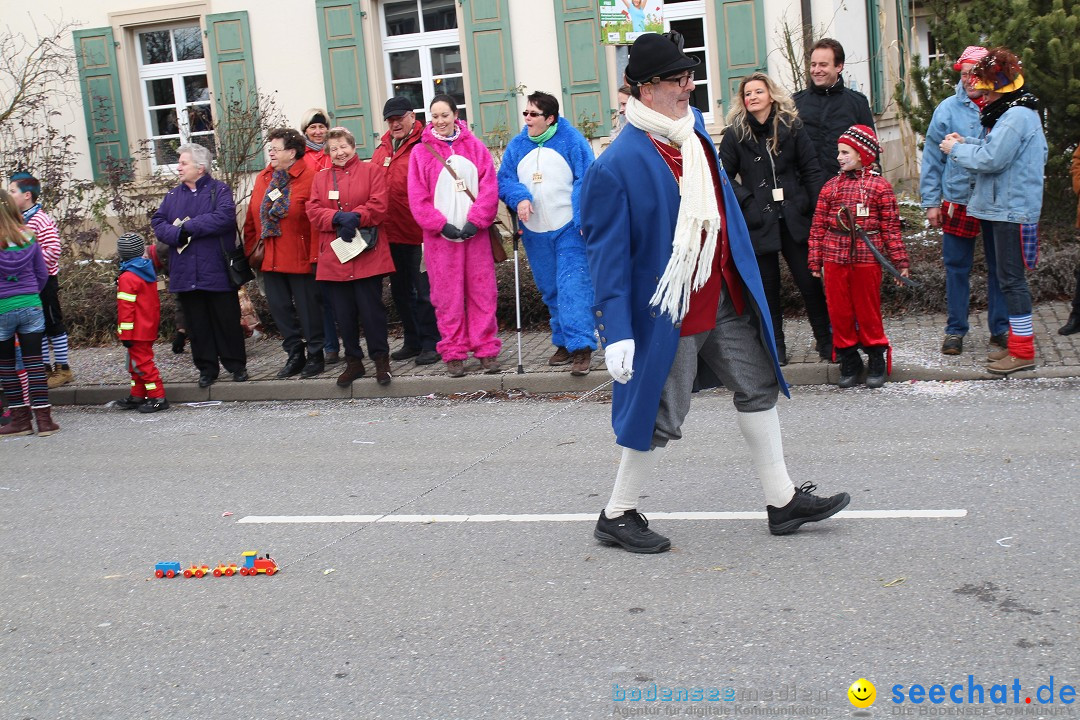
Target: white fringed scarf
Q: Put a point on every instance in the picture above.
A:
(691, 258)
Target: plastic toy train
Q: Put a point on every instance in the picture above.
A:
(253, 565)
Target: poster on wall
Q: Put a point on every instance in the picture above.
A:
(621, 21)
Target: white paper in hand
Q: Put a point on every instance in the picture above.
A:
(346, 251)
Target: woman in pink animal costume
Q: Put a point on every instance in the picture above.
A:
(455, 213)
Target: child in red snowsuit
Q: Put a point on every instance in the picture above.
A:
(852, 275)
(138, 312)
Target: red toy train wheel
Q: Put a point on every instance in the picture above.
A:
(217, 573)
(229, 572)
(199, 573)
(170, 573)
(159, 573)
(270, 571)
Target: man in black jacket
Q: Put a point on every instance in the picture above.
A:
(827, 108)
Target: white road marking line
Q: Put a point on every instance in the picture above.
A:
(581, 517)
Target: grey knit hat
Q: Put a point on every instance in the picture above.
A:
(130, 246)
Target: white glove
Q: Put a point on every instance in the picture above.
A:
(619, 358)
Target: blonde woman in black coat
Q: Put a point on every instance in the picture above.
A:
(779, 178)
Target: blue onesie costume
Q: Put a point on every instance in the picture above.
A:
(549, 175)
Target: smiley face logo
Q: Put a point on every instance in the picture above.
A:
(862, 693)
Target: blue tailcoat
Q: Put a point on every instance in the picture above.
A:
(629, 207)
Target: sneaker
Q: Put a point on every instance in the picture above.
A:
(405, 353)
(427, 357)
(1010, 364)
(953, 345)
(490, 365)
(61, 375)
(153, 405)
(1001, 341)
(630, 531)
(455, 368)
(129, 403)
(582, 360)
(561, 357)
(803, 508)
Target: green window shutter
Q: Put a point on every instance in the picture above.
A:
(877, 60)
(345, 70)
(491, 66)
(239, 135)
(740, 37)
(582, 64)
(103, 105)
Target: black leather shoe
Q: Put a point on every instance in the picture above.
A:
(293, 365)
(316, 363)
(405, 352)
(630, 531)
(428, 357)
(804, 507)
(1072, 326)
(240, 376)
(206, 381)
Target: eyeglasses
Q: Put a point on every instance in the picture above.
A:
(682, 80)
(275, 150)
(532, 113)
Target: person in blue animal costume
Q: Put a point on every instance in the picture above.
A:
(677, 285)
(540, 179)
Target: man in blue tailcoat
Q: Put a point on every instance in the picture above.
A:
(677, 286)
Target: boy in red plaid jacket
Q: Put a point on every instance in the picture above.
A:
(138, 313)
(852, 275)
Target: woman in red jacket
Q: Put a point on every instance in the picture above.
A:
(277, 216)
(347, 196)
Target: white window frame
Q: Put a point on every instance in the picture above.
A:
(423, 43)
(177, 71)
(695, 10)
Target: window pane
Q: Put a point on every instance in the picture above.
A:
(402, 18)
(439, 15)
(206, 141)
(414, 91)
(701, 71)
(196, 88)
(445, 60)
(700, 98)
(200, 118)
(404, 65)
(163, 122)
(188, 43)
(693, 32)
(160, 92)
(165, 152)
(156, 47)
(455, 88)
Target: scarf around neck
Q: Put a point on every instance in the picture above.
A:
(993, 111)
(271, 212)
(544, 136)
(314, 146)
(31, 212)
(691, 256)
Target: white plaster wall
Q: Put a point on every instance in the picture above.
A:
(845, 20)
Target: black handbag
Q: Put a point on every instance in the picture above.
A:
(236, 262)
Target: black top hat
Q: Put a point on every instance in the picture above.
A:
(654, 56)
(396, 107)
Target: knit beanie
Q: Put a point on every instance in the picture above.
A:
(863, 140)
(130, 246)
(971, 54)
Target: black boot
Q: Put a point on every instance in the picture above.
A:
(875, 367)
(851, 365)
(294, 364)
(781, 353)
(316, 363)
(822, 336)
(1072, 325)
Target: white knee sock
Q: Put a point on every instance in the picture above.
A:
(635, 466)
(762, 433)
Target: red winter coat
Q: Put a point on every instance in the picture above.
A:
(317, 159)
(138, 308)
(296, 250)
(400, 226)
(362, 189)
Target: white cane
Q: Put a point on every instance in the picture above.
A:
(517, 289)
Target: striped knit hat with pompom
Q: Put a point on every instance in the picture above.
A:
(130, 246)
(863, 140)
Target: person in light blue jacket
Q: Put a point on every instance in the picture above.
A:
(1008, 162)
(946, 190)
(540, 180)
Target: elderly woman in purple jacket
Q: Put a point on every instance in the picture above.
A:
(197, 220)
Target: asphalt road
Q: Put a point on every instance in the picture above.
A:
(461, 620)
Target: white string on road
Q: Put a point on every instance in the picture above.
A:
(579, 517)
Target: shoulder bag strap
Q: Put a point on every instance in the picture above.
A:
(450, 169)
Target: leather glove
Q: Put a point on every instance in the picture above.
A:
(450, 232)
(468, 230)
(126, 343)
(619, 359)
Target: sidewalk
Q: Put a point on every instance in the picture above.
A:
(100, 375)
